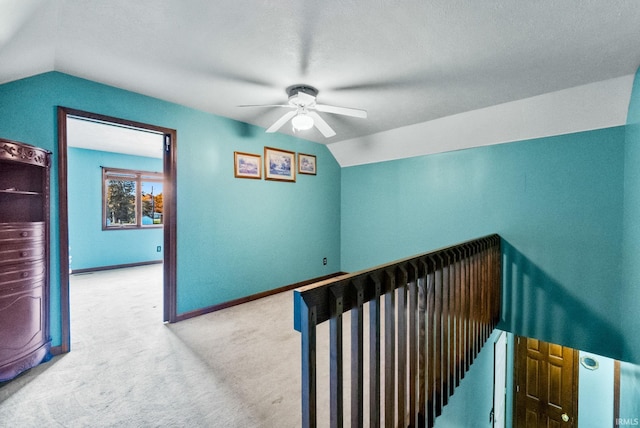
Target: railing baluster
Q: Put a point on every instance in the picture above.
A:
(459, 331)
(445, 328)
(357, 358)
(412, 284)
(474, 301)
(335, 366)
(402, 345)
(308, 333)
(464, 285)
(422, 344)
(495, 290)
(497, 279)
(469, 302)
(485, 291)
(478, 304)
(452, 321)
(431, 347)
(439, 381)
(389, 350)
(480, 295)
(374, 355)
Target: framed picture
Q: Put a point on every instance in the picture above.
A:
(306, 164)
(279, 164)
(247, 165)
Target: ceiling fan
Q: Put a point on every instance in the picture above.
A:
(303, 116)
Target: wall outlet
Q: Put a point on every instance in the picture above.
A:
(324, 261)
(159, 248)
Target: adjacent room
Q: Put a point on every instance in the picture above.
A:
(290, 213)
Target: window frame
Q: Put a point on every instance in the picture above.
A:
(138, 177)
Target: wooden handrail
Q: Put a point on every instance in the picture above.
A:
(430, 313)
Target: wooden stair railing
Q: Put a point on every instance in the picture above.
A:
(429, 314)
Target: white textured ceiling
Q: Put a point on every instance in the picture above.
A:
(92, 135)
(405, 62)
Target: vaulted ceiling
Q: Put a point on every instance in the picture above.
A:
(405, 62)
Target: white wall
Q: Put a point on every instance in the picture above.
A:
(595, 393)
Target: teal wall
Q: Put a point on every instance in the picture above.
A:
(555, 201)
(236, 237)
(472, 401)
(90, 246)
(631, 238)
(629, 373)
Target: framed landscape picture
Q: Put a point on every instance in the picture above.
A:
(279, 165)
(306, 164)
(247, 165)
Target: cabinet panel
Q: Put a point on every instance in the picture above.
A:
(22, 310)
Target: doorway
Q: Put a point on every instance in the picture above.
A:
(545, 384)
(499, 412)
(169, 211)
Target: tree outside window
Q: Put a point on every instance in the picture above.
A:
(151, 203)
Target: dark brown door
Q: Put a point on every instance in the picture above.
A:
(546, 385)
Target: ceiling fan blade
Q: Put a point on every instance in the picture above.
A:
(353, 112)
(265, 105)
(284, 119)
(322, 126)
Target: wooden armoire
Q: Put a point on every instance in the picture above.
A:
(24, 257)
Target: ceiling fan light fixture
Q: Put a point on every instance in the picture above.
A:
(302, 122)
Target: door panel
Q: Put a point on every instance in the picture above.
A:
(546, 378)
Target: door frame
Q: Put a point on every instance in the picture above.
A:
(169, 215)
(502, 337)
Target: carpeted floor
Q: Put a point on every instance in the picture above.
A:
(239, 367)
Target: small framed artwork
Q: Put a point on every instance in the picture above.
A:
(247, 165)
(306, 164)
(279, 164)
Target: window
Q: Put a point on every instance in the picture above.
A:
(131, 199)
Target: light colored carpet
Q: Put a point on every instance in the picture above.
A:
(238, 367)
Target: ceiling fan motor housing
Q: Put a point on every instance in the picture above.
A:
(293, 90)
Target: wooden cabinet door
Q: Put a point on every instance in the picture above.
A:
(546, 385)
(23, 327)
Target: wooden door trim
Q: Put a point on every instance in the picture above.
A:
(576, 383)
(170, 205)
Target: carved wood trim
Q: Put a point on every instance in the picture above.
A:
(21, 152)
